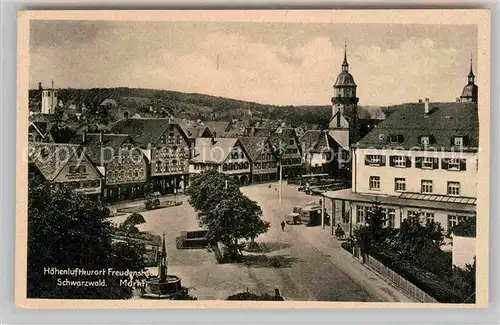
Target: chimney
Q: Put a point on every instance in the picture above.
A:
(40, 86)
(426, 107)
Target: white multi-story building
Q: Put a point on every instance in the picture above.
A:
(422, 160)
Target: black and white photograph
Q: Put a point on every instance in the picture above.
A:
(289, 158)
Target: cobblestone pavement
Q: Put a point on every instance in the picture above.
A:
(313, 266)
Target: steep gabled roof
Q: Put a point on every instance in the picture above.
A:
(197, 131)
(317, 141)
(100, 152)
(309, 139)
(409, 122)
(214, 150)
(283, 135)
(41, 127)
(261, 131)
(50, 158)
(109, 140)
(220, 128)
(255, 146)
(143, 131)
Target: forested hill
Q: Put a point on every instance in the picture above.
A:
(195, 106)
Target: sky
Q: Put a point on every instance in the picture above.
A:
(269, 63)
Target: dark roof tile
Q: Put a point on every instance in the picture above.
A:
(410, 122)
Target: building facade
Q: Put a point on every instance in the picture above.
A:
(170, 160)
(226, 155)
(66, 165)
(165, 145)
(122, 162)
(263, 161)
(320, 152)
(421, 161)
(288, 152)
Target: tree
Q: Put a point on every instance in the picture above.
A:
(130, 224)
(234, 218)
(465, 280)
(224, 210)
(415, 240)
(67, 230)
(209, 188)
(373, 236)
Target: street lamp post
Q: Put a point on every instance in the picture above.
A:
(281, 178)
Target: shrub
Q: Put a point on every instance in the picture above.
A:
(438, 288)
(347, 245)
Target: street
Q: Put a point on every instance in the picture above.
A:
(313, 266)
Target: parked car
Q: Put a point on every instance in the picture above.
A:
(310, 214)
(292, 218)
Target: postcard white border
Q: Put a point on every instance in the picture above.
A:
(479, 17)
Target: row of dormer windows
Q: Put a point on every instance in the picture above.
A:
(419, 162)
(427, 140)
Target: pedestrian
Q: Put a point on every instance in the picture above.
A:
(283, 223)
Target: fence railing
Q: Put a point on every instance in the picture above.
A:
(398, 280)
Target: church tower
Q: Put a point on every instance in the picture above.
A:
(343, 126)
(469, 94)
(49, 99)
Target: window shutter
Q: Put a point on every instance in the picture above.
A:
(391, 161)
(382, 160)
(435, 163)
(463, 164)
(465, 140)
(408, 162)
(418, 162)
(419, 140)
(452, 141)
(367, 161)
(401, 139)
(444, 163)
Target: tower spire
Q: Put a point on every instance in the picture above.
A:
(345, 65)
(471, 73)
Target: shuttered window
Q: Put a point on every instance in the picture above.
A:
(454, 164)
(427, 162)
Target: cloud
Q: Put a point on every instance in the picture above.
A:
(233, 65)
